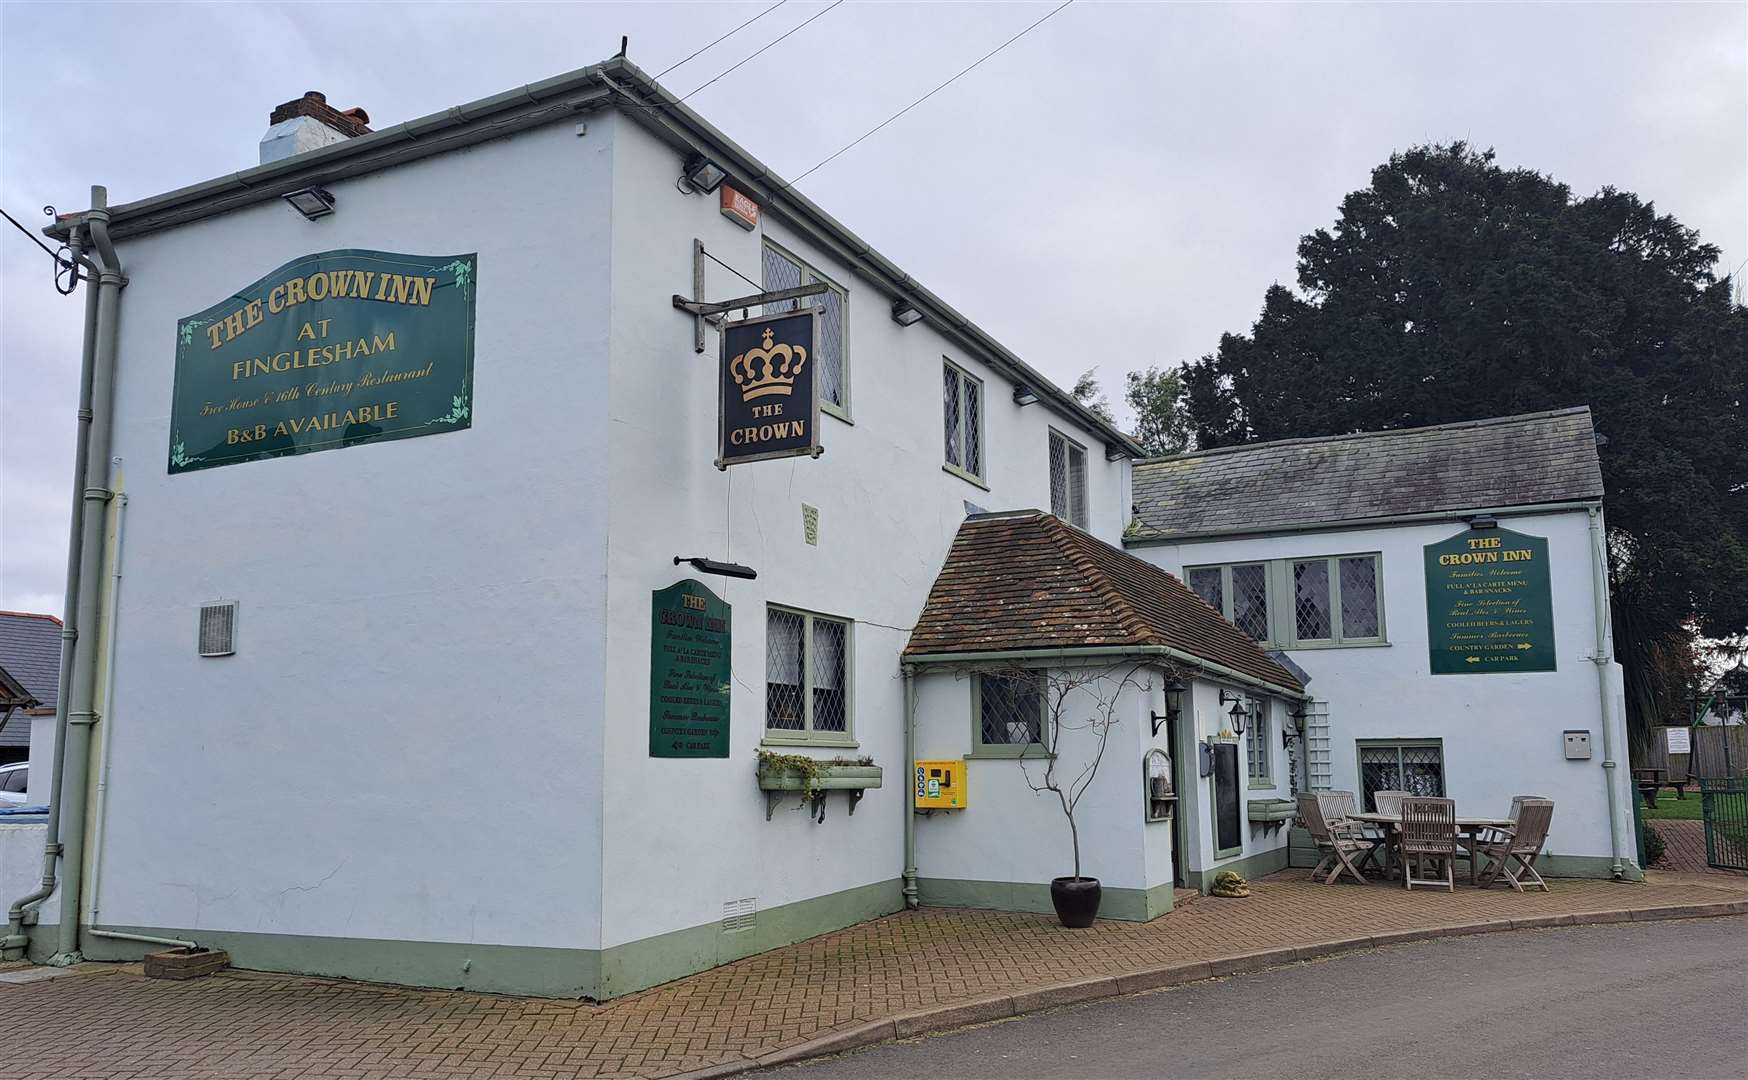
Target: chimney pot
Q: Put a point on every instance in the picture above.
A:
(316, 96)
(357, 114)
(308, 123)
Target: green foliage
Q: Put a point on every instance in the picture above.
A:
(1671, 806)
(1453, 289)
(1159, 422)
(1653, 846)
(810, 769)
(1089, 393)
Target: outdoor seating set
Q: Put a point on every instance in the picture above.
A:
(1409, 833)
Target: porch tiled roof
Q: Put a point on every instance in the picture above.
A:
(1027, 580)
(1544, 457)
(30, 651)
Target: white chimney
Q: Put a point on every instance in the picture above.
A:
(308, 123)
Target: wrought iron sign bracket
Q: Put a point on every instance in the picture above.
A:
(702, 310)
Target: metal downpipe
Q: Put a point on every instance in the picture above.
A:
(81, 714)
(1602, 659)
(911, 898)
(13, 946)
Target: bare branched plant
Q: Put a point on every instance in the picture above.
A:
(1079, 706)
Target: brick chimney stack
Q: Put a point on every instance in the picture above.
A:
(307, 123)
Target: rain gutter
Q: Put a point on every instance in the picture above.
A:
(1115, 652)
(1421, 518)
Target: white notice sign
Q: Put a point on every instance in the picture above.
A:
(1679, 741)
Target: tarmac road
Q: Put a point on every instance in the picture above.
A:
(1662, 999)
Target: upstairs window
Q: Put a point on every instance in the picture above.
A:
(1067, 479)
(1239, 592)
(1298, 603)
(784, 271)
(962, 421)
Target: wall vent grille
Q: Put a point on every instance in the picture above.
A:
(739, 916)
(218, 628)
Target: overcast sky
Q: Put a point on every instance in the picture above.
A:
(1114, 190)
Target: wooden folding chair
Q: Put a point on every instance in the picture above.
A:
(1390, 802)
(1513, 852)
(1429, 831)
(1337, 839)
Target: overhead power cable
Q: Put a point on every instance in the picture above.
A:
(966, 71)
(64, 264)
(744, 60)
(33, 237)
(723, 38)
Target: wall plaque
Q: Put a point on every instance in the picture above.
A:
(1489, 605)
(768, 406)
(329, 350)
(688, 672)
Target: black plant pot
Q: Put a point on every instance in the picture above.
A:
(1076, 900)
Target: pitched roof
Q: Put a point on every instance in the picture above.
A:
(30, 651)
(1027, 580)
(1545, 457)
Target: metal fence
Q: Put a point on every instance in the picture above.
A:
(1724, 804)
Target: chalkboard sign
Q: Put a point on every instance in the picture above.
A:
(1489, 607)
(688, 672)
(1228, 825)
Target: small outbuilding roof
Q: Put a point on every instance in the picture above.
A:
(1026, 580)
(30, 651)
(1532, 459)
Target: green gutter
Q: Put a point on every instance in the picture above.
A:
(1455, 514)
(1112, 652)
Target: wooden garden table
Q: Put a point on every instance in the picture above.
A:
(1470, 827)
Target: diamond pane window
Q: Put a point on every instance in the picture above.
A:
(785, 665)
(1311, 600)
(1010, 711)
(962, 420)
(1067, 480)
(1250, 600)
(1256, 743)
(807, 680)
(783, 271)
(1359, 597)
(1417, 768)
(1206, 581)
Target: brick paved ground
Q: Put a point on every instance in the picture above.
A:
(1684, 847)
(114, 1023)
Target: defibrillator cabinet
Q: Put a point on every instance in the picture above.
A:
(940, 785)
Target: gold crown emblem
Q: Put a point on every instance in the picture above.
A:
(767, 370)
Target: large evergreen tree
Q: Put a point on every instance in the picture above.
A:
(1453, 289)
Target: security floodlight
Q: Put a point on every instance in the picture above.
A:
(703, 174)
(1023, 396)
(311, 202)
(904, 313)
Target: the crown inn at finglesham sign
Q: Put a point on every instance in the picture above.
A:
(768, 401)
(1489, 603)
(329, 350)
(689, 641)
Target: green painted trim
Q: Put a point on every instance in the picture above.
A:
(1129, 905)
(1249, 867)
(771, 739)
(651, 961)
(981, 749)
(503, 969)
(1586, 866)
(1351, 524)
(970, 478)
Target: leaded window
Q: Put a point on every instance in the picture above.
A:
(1415, 767)
(1009, 713)
(1298, 603)
(1067, 479)
(1256, 746)
(806, 677)
(962, 421)
(784, 271)
(1239, 593)
(1311, 620)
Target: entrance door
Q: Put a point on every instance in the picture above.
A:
(1228, 815)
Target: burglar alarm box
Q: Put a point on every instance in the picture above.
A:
(940, 785)
(1577, 745)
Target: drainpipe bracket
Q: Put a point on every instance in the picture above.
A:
(98, 494)
(86, 717)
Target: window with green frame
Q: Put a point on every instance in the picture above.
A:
(1322, 601)
(807, 678)
(1257, 746)
(784, 271)
(962, 421)
(1007, 714)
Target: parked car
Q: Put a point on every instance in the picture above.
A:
(14, 782)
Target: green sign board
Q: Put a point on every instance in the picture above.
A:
(1489, 607)
(688, 672)
(329, 350)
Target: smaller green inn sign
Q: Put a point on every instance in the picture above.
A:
(329, 350)
(1489, 603)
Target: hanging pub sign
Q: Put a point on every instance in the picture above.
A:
(768, 402)
(329, 350)
(1489, 604)
(688, 672)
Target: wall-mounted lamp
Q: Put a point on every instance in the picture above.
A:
(311, 202)
(1240, 709)
(711, 566)
(1023, 396)
(1483, 521)
(1298, 728)
(702, 174)
(904, 313)
(1172, 709)
(1113, 452)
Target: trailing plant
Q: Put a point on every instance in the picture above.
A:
(810, 769)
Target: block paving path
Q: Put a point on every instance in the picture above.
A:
(1684, 848)
(840, 989)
